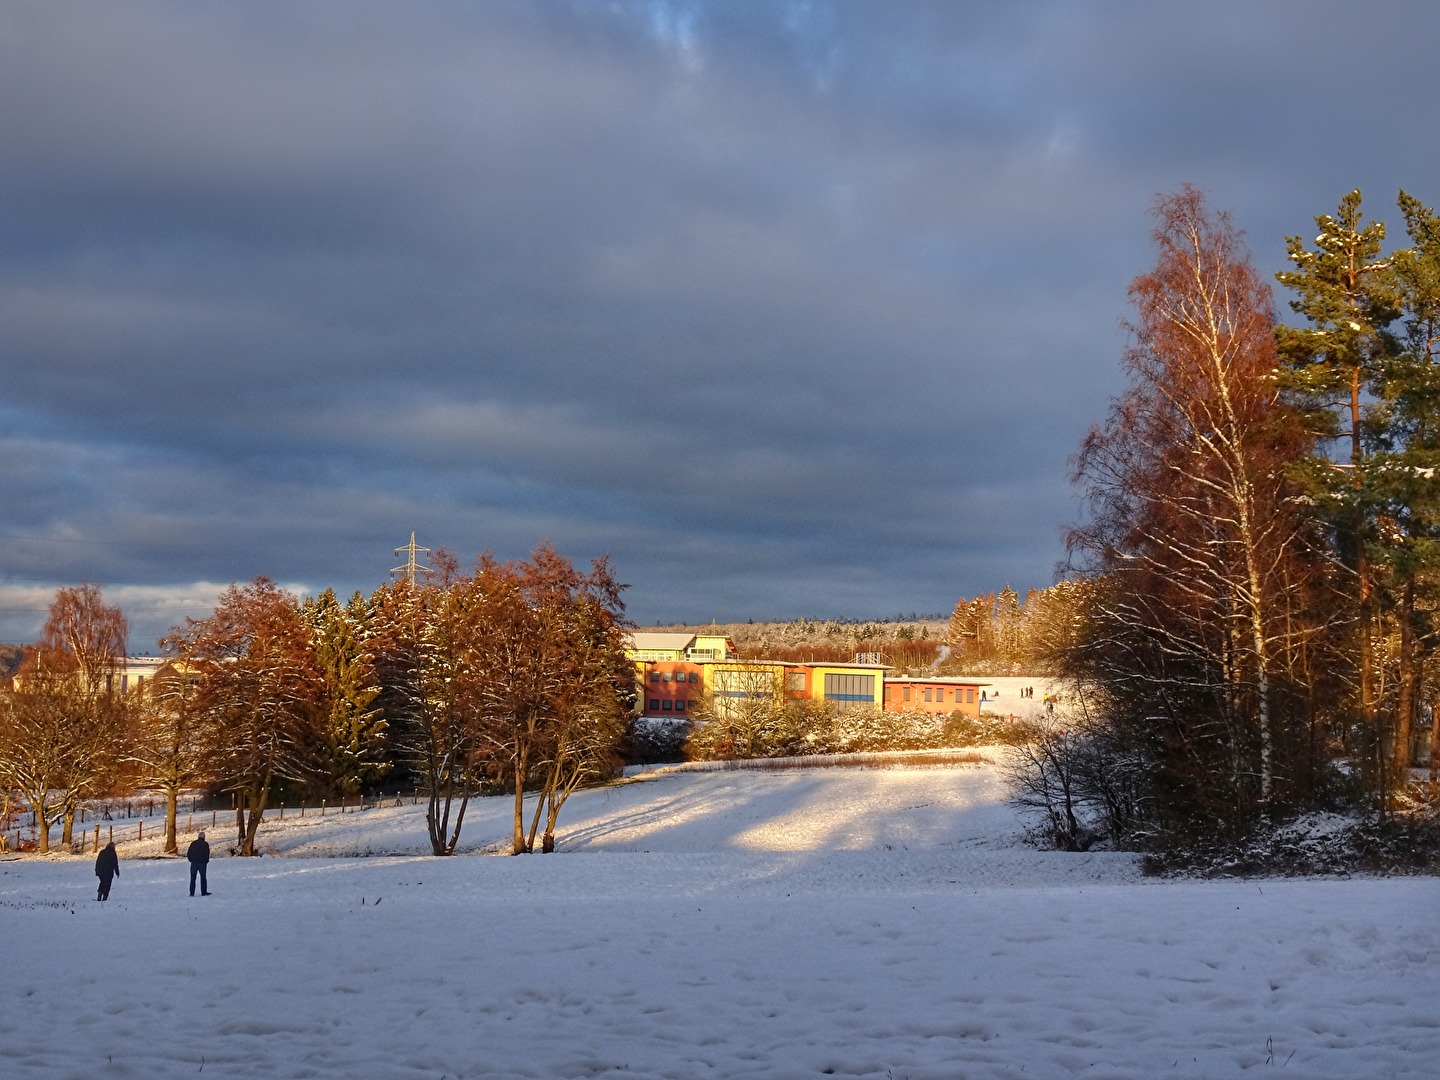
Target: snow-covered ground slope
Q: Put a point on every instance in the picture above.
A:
(873, 922)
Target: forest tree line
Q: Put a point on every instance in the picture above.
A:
(1259, 572)
(512, 677)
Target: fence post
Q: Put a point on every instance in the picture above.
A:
(282, 811)
(322, 807)
(212, 817)
(97, 836)
(140, 835)
(112, 834)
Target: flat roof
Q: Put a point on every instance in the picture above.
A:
(649, 639)
(951, 679)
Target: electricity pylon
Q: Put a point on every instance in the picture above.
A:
(411, 567)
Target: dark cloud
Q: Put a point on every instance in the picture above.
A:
(793, 308)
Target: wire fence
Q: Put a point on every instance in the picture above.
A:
(133, 821)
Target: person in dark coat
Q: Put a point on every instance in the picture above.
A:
(107, 869)
(199, 855)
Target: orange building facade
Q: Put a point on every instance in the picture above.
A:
(904, 693)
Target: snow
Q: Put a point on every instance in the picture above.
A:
(800, 923)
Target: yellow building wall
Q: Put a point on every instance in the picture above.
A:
(877, 682)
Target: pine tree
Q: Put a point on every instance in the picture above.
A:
(1335, 366)
(1407, 437)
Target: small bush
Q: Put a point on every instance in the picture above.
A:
(651, 741)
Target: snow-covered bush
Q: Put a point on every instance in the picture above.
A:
(1314, 843)
(796, 729)
(652, 740)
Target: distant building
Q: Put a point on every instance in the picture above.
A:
(662, 645)
(676, 671)
(938, 696)
(130, 673)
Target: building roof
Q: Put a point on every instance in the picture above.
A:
(813, 663)
(651, 639)
(950, 680)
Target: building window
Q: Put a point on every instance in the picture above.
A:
(970, 695)
(654, 704)
(927, 693)
(905, 694)
(840, 687)
(666, 706)
(679, 706)
(694, 676)
(795, 681)
(654, 676)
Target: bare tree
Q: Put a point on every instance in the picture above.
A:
(170, 751)
(65, 724)
(34, 739)
(742, 714)
(593, 681)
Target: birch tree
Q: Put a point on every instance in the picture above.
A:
(1194, 522)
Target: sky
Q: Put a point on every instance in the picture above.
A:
(791, 309)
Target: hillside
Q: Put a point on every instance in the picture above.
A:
(871, 923)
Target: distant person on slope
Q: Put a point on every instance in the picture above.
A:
(199, 855)
(107, 869)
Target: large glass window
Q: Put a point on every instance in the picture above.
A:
(840, 687)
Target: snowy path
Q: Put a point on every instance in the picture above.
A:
(716, 925)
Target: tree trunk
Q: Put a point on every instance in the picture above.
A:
(518, 846)
(172, 804)
(1435, 750)
(43, 822)
(1405, 709)
(256, 813)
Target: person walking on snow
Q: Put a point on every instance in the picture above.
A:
(199, 855)
(107, 869)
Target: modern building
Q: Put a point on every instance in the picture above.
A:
(676, 671)
(913, 693)
(662, 645)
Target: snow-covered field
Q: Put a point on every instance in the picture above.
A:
(836, 922)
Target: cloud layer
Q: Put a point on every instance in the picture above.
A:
(794, 308)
